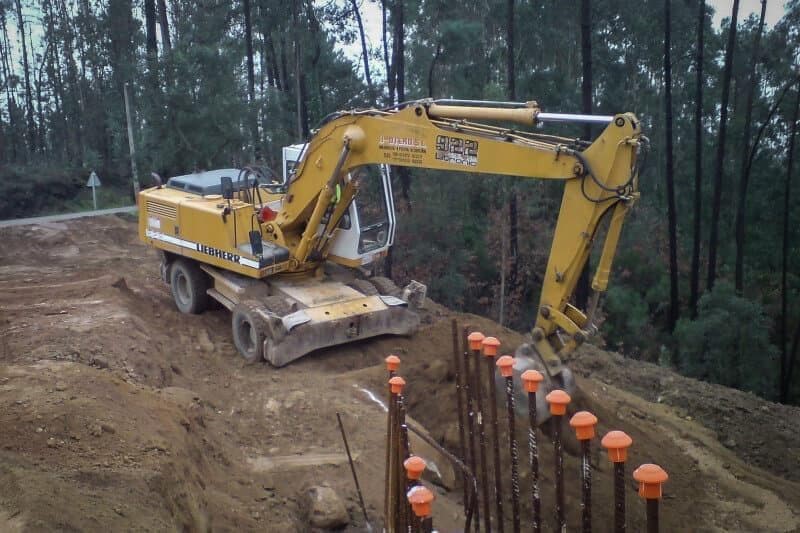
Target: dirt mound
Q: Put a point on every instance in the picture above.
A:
(120, 413)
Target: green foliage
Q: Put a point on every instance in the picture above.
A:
(43, 189)
(729, 343)
(191, 109)
(627, 318)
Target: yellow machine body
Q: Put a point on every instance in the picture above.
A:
(600, 182)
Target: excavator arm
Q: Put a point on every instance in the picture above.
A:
(600, 182)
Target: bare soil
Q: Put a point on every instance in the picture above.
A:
(119, 413)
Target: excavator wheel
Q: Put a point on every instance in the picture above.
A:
(249, 331)
(188, 285)
(385, 286)
(364, 287)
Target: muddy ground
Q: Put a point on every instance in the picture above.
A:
(120, 414)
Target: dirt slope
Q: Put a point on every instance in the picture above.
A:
(118, 413)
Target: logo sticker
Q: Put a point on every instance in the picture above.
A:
(457, 151)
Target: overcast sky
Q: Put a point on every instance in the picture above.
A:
(775, 10)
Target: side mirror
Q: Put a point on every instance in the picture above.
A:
(157, 179)
(226, 184)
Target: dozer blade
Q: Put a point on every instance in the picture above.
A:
(528, 358)
(304, 331)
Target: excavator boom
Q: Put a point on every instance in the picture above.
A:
(274, 249)
(600, 181)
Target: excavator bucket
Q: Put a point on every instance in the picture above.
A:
(527, 357)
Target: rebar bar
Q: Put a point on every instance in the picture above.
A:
(530, 380)
(459, 404)
(651, 477)
(353, 471)
(498, 476)
(619, 497)
(533, 456)
(652, 515)
(427, 524)
(388, 494)
(468, 393)
(558, 400)
(559, 472)
(586, 486)
(617, 444)
(477, 386)
(512, 445)
(402, 455)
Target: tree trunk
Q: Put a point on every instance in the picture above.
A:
(10, 99)
(432, 68)
(41, 126)
(164, 23)
(400, 63)
(785, 376)
(745, 173)
(251, 76)
(720, 158)
(671, 215)
(150, 28)
(513, 245)
(276, 71)
(387, 65)
(284, 65)
(152, 45)
(582, 288)
(510, 71)
(76, 98)
(399, 72)
(27, 74)
(364, 51)
(694, 289)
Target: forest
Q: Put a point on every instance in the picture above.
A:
(706, 277)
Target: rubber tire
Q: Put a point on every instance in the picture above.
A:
(248, 333)
(188, 285)
(364, 287)
(385, 286)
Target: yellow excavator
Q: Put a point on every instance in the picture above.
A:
(286, 254)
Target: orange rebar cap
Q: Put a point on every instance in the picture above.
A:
(617, 444)
(396, 384)
(584, 423)
(531, 380)
(650, 478)
(475, 339)
(506, 366)
(392, 363)
(414, 466)
(490, 346)
(420, 498)
(558, 400)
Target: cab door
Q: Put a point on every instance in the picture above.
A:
(368, 230)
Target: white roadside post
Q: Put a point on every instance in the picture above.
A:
(94, 183)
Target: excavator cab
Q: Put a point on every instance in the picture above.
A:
(367, 230)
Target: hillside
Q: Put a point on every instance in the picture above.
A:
(119, 413)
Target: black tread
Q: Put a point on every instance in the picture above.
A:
(385, 286)
(198, 282)
(364, 287)
(249, 331)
